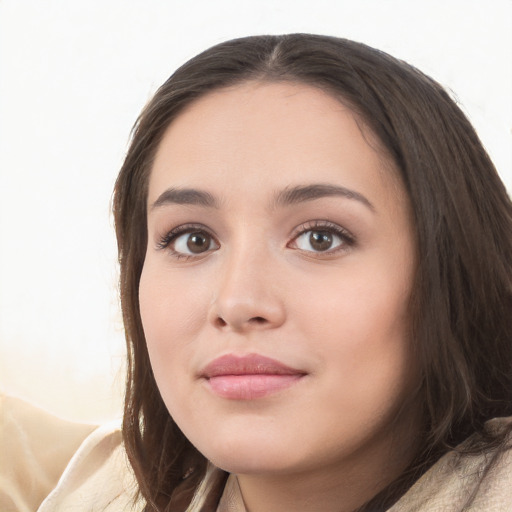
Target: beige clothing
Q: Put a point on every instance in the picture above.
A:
(98, 476)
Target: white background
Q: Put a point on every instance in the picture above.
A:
(73, 77)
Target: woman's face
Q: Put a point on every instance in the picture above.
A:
(274, 294)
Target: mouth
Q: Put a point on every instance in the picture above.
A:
(248, 377)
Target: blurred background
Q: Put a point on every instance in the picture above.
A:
(73, 78)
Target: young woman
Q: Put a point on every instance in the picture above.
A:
(316, 284)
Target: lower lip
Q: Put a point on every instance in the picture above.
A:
(250, 387)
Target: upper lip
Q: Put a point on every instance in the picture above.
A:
(251, 364)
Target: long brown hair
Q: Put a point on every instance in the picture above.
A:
(462, 298)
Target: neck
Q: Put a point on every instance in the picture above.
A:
(336, 487)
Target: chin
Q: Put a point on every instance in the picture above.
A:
(247, 454)
(251, 463)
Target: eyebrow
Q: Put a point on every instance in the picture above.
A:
(302, 193)
(287, 197)
(190, 196)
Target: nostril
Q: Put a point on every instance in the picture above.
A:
(258, 320)
(220, 322)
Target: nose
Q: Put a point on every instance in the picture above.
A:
(247, 296)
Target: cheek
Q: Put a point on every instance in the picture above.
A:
(360, 305)
(168, 302)
(170, 315)
(361, 329)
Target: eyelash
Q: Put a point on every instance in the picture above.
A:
(347, 239)
(165, 242)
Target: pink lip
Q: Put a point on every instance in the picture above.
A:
(248, 377)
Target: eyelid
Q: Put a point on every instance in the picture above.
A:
(324, 225)
(164, 242)
(346, 236)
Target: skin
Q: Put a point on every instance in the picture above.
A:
(344, 430)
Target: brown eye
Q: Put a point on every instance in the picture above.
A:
(198, 242)
(193, 243)
(320, 240)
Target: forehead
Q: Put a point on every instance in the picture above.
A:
(260, 134)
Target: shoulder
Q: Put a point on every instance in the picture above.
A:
(49, 464)
(35, 447)
(473, 483)
(98, 477)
